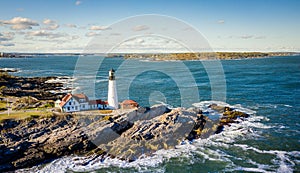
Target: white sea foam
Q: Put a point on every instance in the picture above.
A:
(282, 157)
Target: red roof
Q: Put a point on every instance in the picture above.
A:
(129, 102)
(80, 96)
(93, 102)
(65, 99)
(98, 102)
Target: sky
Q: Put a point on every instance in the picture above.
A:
(60, 26)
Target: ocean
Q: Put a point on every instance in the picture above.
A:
(266, 88)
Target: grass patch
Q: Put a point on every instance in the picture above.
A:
(105, 111)
(25, 114)
(3, 105)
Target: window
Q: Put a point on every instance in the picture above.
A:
(70, 103)
(76, 107)
(83, 106)
(68, 108)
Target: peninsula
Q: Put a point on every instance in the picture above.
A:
(36, 132)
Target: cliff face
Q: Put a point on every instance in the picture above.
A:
(126, 135)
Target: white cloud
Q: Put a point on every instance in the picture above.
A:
(95, 28)
(7, 44)
(51, 27)
(71, 25)
(92, 34)
(50, 24)
(260, 37)
(74, 37)
(115, 34)
(149, 44)
(78, 2)
(140, 28)
(7, 36)
(20, 23)
(43, 33)
(47, 36)
(246, 36)
(221, 21)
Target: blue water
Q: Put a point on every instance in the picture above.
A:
(268, 142)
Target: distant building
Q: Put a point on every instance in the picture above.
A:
(79, 102)
(129, 104)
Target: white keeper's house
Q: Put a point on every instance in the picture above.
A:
(79, 102)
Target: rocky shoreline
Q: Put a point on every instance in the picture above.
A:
(42, 88)
(123, 134)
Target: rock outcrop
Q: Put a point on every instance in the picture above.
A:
(37, 87)
(125, 135)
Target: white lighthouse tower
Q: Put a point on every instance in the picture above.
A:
(112, 91)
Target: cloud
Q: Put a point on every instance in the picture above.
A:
(51, 27)
(74, 37)
(149, 44)
(140, 28)
(7, 36)
(71, 25)
(221, 21)
(43, 33)
(7, 44)
(246, 36)
(115, 34)
(96, 28)
(50, 24)
(78, 2)
(92, 34)
(20, 23)
(260, 37)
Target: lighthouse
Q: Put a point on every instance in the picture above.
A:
(112, 91)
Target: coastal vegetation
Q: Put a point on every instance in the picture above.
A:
(204, 55)
(17, 115)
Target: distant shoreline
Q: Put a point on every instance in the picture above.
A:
(207, 56)
(163, 56)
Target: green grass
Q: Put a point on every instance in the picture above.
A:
(3, 105)
(25, 114)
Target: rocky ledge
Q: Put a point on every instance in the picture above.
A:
(42, 88)
(123, 134)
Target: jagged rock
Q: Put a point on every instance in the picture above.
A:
(36, 86)
(147, 136)
(25, 143)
